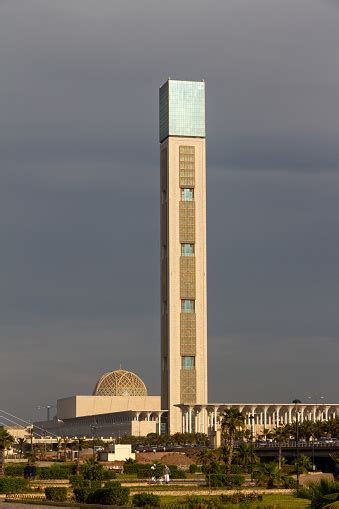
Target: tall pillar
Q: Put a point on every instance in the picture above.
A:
(290, 408)
(183, 247)
(265, 416)
(203, 416)
(189, 419)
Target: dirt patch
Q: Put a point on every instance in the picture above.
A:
(167, 458)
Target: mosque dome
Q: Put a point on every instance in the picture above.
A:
(120, 383)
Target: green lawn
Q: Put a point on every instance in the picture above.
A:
(269, 501)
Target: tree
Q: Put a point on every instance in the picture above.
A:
(304, 464)
(79, 445)
(280, 435)
(208, 463)
(232, 428)
(6, 440)
(246, 455)
(92, 470)
(322, 494)
(268, 474)
(21, 443)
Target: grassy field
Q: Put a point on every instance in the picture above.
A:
(269, 501)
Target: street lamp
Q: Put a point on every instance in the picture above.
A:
(93, 430)
(251, 418)
(315, 398)
(296, 403)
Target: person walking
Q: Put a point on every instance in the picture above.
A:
(166, 474)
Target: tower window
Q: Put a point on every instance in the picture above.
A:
(188, 362)
(187, 249)
(187, 194)
(187, 306)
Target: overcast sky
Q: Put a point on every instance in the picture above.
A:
(79, 194)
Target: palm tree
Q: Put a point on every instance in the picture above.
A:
(322, 494)
(304, 464)
(208, 462)
(268, 474)
(279, 435)
(92, 470)
(21, 443)
(232, 428)
(6, 440)
(246, 455)
(79, 444)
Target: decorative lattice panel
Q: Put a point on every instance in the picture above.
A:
(188, 386)
(187, 277)
(120, 383)
(186, 166)
(187, 334)
(187, 221)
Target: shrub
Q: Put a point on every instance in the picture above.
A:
(223, 480)
(82, 493)
(289, 482)
(56, 494)
(146, 500)
(109, 474)
(16, 470)
(58, 471)
(115, 494)
(176, 472)
(193, 468)
(12, 485)
(241, 497)
(237, 469)
(92, 470)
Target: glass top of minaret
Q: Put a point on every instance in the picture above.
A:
(182, 109)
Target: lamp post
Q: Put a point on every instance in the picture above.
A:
(93, 430)
(251, 419)
(315, 398)
(296, 403)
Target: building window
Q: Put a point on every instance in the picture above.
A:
(187, 194)
(187, 306)
(187, 249)
(188, 362)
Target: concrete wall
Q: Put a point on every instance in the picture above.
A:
(78, 406)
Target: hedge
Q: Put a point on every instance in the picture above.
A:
(12, 485)
(15, 470)
(146, 500)
(56, 494)
(115, 494)
(223, 480)
(145, 472)
(57, 471)
(82, 493)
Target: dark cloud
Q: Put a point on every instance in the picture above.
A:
(79, 192)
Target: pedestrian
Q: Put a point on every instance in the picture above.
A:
(153, 468)
(166, 474)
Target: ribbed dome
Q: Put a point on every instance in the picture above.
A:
(120, 383)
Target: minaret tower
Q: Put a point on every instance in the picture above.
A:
(183, 247)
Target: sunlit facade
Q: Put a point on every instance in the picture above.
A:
(183, 247)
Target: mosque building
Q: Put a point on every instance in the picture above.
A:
(120, 404)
